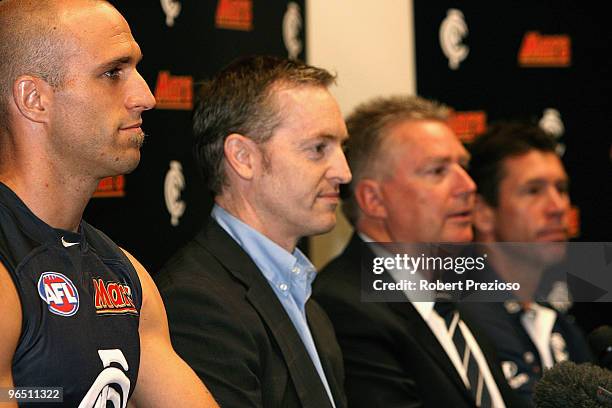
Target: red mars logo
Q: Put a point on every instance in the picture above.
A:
(113, 298)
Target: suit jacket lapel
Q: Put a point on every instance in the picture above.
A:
(305, 377)
(418, 328)
(323, 343)
(429, 342)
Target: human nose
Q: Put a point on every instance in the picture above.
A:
(140, 96)
(339, 170)
(465, 185)
(558, 202)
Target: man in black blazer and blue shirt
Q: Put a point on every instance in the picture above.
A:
(269, 141)
(409, 186)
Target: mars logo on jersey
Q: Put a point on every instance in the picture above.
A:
(113, 298)
(59, 293)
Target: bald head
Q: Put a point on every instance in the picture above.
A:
(32, 42)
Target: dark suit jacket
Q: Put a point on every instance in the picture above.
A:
(513, 344)
(228, 325)
(391, 357)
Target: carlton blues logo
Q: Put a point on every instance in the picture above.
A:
(113, 298)
(59, 293)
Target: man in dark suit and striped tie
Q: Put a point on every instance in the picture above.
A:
(409, 185)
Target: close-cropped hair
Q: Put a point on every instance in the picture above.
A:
(31, 43)
(240, 99)
(503, 140)
(368, 126)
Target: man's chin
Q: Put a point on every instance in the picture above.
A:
(458, 236)
(324, 225)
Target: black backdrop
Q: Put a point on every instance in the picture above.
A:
(205, 36)
(490, 82)
(569, 71)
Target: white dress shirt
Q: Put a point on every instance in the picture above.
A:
(438, 327)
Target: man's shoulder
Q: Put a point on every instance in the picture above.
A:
(192, 261)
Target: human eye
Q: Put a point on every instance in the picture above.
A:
(113, 73)
(317, 150)
(533, 189)
(563, 188)
(438, 170)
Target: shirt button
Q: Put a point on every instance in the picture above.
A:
(296, 270)
(283, 287)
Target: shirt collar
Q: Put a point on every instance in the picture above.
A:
(276, 264)
(424, 308)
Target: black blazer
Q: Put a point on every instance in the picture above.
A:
(392, 358)
(228, 325)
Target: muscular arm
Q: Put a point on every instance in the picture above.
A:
(164, 379)
(10, 329)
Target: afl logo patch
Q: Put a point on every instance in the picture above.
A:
(59, 293)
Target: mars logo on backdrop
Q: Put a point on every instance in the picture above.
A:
(173, 91)
(172, 8)
(113, 298)
(573, 222)
(234, 15)
(452, 31)
(292, 25)
(111, 187)
(467, 125)
(59, 293)
(173, 185)
(539, 50)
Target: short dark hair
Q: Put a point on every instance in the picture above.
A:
(239, 99)
(367, 127)
(31, 43)
(501, 141)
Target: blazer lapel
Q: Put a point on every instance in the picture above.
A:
(428, 341)
(318, 328)
(308, 385)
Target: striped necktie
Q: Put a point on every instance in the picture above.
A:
(477, 386)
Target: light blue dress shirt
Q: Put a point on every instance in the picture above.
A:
(289, 275)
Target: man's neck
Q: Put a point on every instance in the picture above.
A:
(246, 213)
(513, 268)
(58, 203)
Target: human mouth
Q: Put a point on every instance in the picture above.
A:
(333, 197)
(555, 234)
(464, 216)
(135, 127)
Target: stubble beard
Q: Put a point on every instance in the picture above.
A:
(137, 140)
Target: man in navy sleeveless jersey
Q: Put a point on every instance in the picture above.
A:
(78, 312)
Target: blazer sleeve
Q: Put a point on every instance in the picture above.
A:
(210, 335)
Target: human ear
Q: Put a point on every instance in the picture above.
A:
(484, 217)
(32, 96)
(240, 152)
(370, 199)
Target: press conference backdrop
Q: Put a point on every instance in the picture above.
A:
(162, 203)
(544, 61)
(547, 61)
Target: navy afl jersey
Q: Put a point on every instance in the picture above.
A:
(80, 299)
